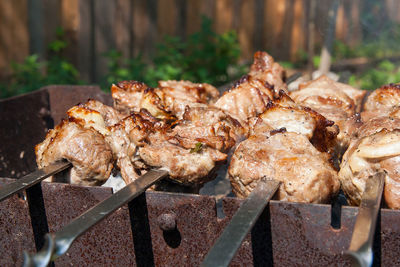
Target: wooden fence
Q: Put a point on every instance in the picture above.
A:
(132, 26)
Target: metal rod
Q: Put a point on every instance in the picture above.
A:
(32, 179)
(225, 248)
(360, 250)
(58, 243)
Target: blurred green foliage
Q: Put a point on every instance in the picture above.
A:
(204, 56)
(32, 74)
(386, 72)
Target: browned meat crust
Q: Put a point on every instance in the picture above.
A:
(86, 149)
(336, 101)
(382, 101)
(306, 174)
(377, 148)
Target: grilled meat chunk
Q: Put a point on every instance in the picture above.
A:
(251, 94)
(127, 96)
(336, 101)
(86, 149)
(170, 98)
(185, 166)
(285, 113)
(377, 148)
(176, 95)
(306, 174)
(382, 102)
(264, 68)
(109, 114)
(210, 126)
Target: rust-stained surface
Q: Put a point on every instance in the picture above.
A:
(24, 121)
(164, 229)
(108, 243)
(288, 234)
(15, 230)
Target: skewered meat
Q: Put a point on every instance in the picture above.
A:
(336, 101)
(377, 148)
(382, 102)
(251, 94)
(279, 148)
(210, 126)
(283, 112)
(190, 150)
(127, 95)
(305, 173)
(86, 149)
(171, 97)
(176, 95)
(264, 68)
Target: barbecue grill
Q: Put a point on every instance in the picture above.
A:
(158, 228)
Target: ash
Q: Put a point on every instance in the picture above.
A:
(115, 182)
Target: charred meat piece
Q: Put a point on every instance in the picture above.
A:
(251, 94)
(127, 96)
(169, 99)
(185, 166)
(336, 101)
(122, 137)
(246, 99)
(306, 174)
(377, 148)
(285, 113)
(86, 149)
(264, 68)
(176, 95)
(382, 102)
(210, 126)
(109, 114)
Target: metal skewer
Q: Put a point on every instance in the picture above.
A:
(360, 250)
(32, 179)
(224, 249)
(58, 243)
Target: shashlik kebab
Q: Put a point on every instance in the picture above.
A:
(186, 129)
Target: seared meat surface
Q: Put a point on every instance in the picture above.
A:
(127, 96)
(382, 102)
(176, 95)
(377, 148)
(285, 113)
(210, 126)
(86, 149)
(252, 93)
(169, 98)
(336, 101)
(306, 174)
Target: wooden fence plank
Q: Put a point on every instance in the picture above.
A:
(86, 40)
(36, 29)
(246, 29)
(14, 38)
(51, 21)
(70, 24)
(167, 21)
(223, 15)
(123, 27)
(104, 35)
(144, 26)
